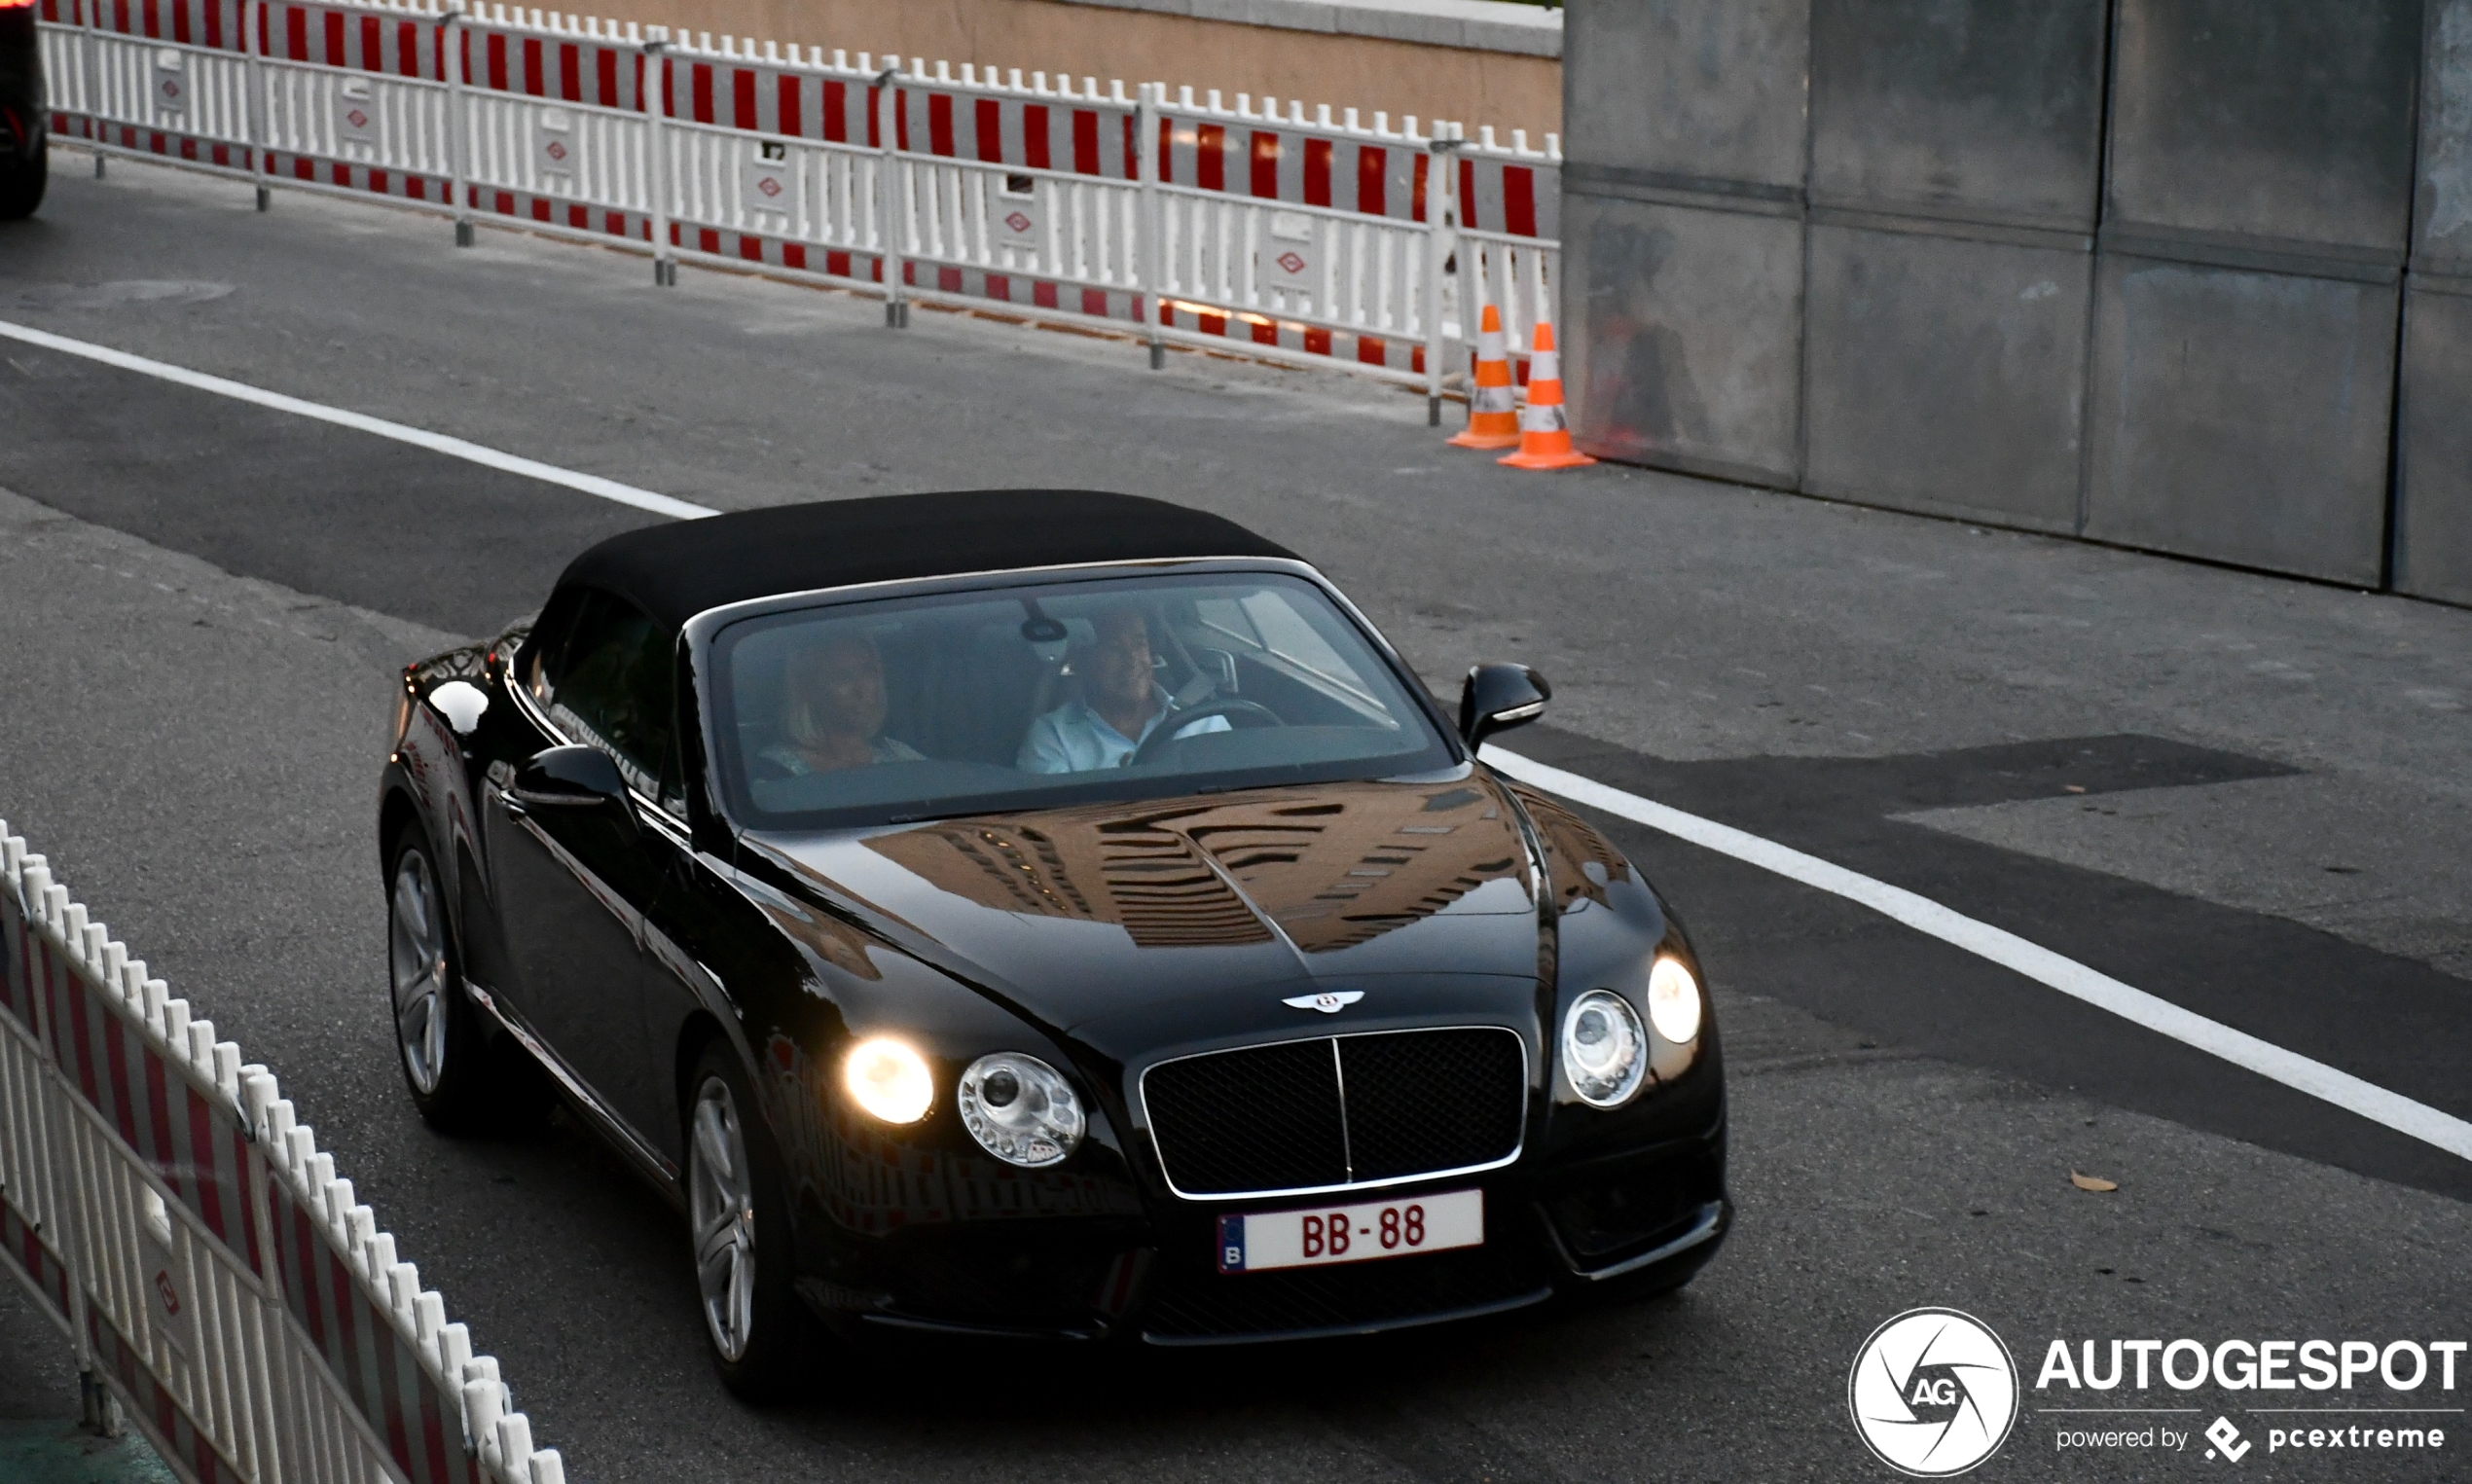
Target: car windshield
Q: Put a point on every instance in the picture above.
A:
(1049, 694)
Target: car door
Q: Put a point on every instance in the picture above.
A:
(573, 883)
(695, 930)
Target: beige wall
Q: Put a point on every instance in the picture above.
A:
(1473, 87)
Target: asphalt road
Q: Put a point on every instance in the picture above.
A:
(2246, 795)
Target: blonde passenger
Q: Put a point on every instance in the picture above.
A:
(833, 709)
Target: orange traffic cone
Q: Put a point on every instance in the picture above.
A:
(1544, 430)
(1493, 418)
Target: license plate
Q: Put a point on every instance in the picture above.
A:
(1261, 1240)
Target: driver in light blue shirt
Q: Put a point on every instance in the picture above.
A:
(1120, 706)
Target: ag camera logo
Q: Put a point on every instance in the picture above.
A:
(1933, 1392)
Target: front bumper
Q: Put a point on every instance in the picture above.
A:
(1651, 1215)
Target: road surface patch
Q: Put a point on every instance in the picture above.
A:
(436, 443)
(2301, 1073)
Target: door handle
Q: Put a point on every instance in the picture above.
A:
(518, 797)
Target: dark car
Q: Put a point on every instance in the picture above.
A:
(1044, 914)
(23, 127)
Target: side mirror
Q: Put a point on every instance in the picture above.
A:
(573, 777)
(1499, 697)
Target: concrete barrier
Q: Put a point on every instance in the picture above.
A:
(1321, 238)
(213, 1276)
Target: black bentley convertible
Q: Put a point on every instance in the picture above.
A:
(1043, 913)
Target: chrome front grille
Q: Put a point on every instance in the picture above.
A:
(1337, 1111)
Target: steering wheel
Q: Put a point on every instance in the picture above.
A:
(1177, 721)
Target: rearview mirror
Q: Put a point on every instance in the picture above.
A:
(1499, 697)
(572, 777)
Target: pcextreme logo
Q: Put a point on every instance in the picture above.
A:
(1933, 1392)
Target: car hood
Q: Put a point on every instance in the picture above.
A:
(1134, 913)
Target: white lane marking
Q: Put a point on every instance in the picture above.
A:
(2417, 1120)
(437, 443)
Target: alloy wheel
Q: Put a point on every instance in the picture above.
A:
(723, 1211)
(416, 957)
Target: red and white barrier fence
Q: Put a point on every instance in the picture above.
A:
(164, 1207)
(1314, 237)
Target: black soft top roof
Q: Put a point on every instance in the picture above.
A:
(676, 571)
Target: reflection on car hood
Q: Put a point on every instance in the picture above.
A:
(1083, 913)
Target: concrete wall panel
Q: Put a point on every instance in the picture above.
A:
(2279, 119)
(1944, 376)
(2433, 456)
(1908, 326)
(1704, 89)
(2242, 416)
(1972, 105)
(2433, 508)
(2442, 237)
(1687, 352)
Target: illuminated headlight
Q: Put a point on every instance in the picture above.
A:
(888, 1080)
(1604, 1048)
(1673, 1001)
(1020, 1110)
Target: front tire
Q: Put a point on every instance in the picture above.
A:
(21, 187)
(438, 1039)
(737, 1218)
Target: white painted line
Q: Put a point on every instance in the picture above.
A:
(2417, 1120)
(437, 443)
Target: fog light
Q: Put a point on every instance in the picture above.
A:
(1673, 1001)
(1020, 1109)
(888, 1080)
(1604, 1048)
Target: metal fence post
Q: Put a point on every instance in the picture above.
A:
(892, 218)
(275, 1360)
(450, 61)
(1145, 137)
(53, 1222)
(253, 117)
(656, 113)
(93, 70)
(1437, 234)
